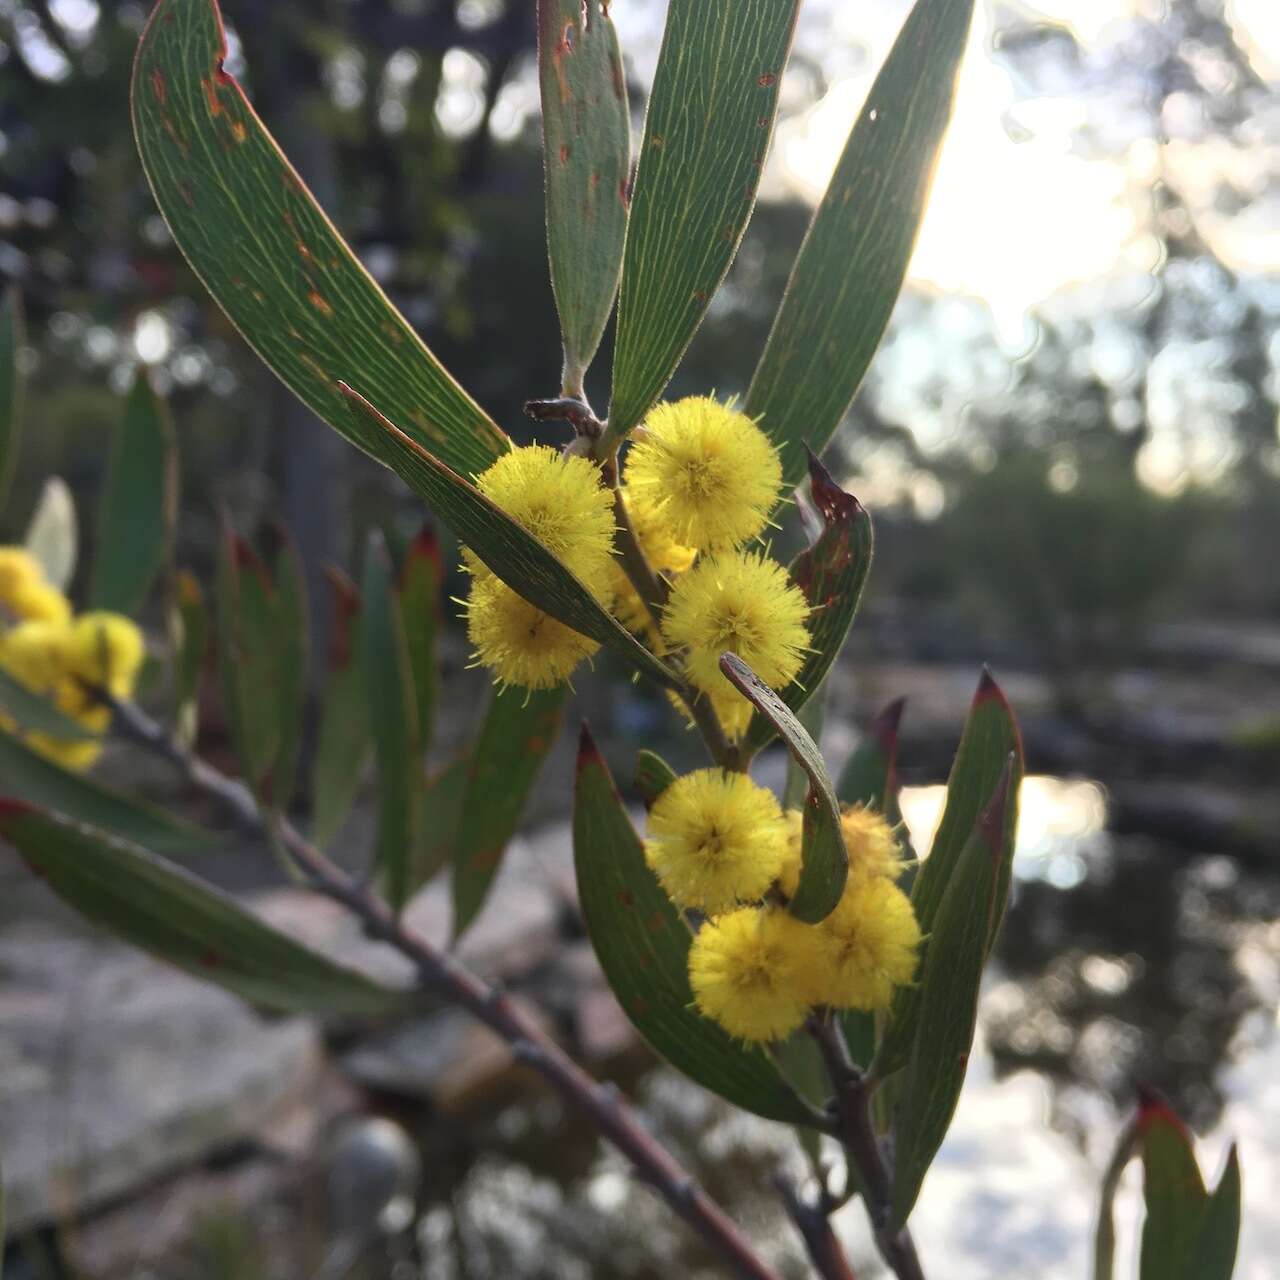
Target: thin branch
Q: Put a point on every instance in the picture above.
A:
(820, 1240)
(864, 1151)
(439, 972)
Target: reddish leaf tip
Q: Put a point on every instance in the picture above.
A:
(427, 547)
(832, 501)
(11, 808)
(588, 752)
(884, 728)
(1153, 1110)
(346, 606)
(988, 689)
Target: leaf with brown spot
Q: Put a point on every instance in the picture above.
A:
(695, 184)
(831, 575)
(643, 947)
(240, 214)
(586, 135)
(518, 731)
(167, 911)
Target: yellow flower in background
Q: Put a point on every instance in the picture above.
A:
(742, 602)
(24, 593)
(18, 567)
(59, 661)
(708, 470)
(665, 555)
(35, 653)
(519, 643)
(562, 502)
(746, 970)
(715, 839)
(873, 848)
(865, 948)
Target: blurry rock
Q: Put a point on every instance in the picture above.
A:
(374, 1171)
(446, 1058)
(118, 1069)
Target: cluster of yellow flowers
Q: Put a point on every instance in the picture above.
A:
(61, 657)
(722, 846)
(699, 483)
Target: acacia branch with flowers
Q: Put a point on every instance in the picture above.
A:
(798, 961)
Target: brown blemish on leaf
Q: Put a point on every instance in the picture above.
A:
(646, 960)
(238, 131)
(174, 136)
(656, 141)
(564, 153)
(656, 923)
(700, 297)
(639, 1006)
(211, 96)
(320, 302)
(159, 86)
(624, 192)
(768, 80)
(188, 196)
(391, 331)
(210, 959)
(626, 898)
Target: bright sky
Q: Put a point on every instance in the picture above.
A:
(1015, 215)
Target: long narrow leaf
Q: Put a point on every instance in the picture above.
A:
(267, 253)
(1173, 1192)
(831, 575)
(169, 912)
(518, 558)
(643, 946)
(41, 782)
(825, 867)
(853, 261)
(586, 139)
(389, 693)
(345, 737)
(139, 505)
(948, 1006)
(518, 732)
(419, 588)
(38, 714)
(710, 122)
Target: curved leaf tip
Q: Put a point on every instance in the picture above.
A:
(831, 500)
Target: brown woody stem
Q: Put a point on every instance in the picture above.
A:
(863, 1148)
(439, 972)
(813, 1222)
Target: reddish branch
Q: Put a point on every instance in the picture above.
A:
(439, 972)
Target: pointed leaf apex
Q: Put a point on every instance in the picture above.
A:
(832, 501)
(11, 808)
(1153, 1109)
(588, 752)
(427, 546)
(987, 688)
(884, 728)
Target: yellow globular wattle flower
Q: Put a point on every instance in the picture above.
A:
(519, 643)
(742, 602)
(715, 839)
(747, 971)
(664, 553)
(25, 595)
(872, 847)
(106, 650)
(709, 470)
(561, 501)
(865, 948)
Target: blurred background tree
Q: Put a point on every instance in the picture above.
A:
(1138, 392)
